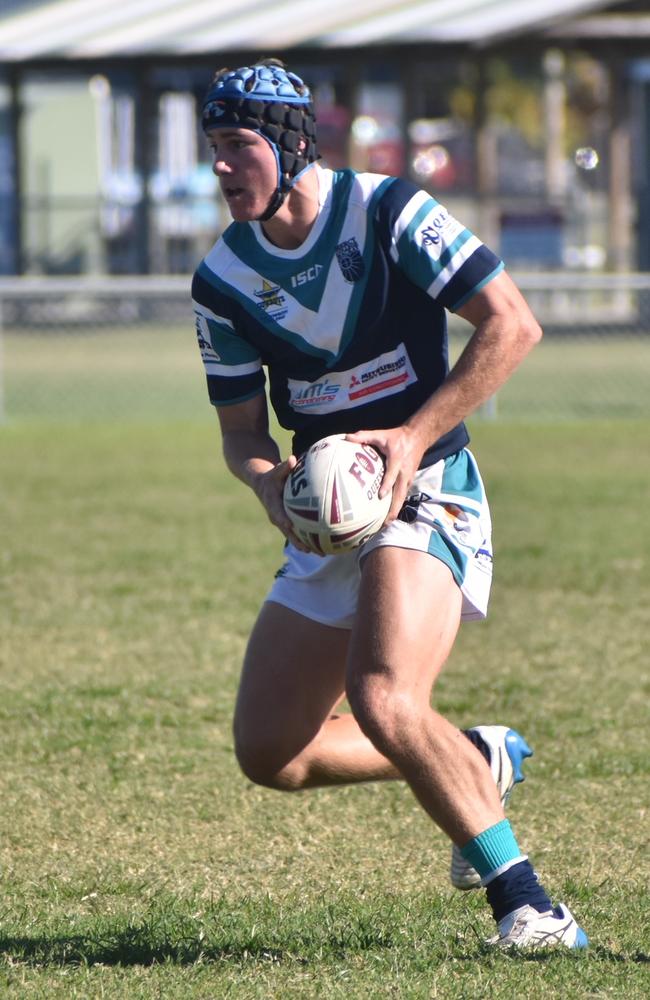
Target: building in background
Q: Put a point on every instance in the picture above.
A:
(529, 120)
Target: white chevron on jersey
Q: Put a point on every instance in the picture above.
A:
(322, 328)
(351, 324)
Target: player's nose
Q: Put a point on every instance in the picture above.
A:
(221, 167)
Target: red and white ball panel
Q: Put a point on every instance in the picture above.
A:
(332, 495)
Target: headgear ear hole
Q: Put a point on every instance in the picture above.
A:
(290, 141)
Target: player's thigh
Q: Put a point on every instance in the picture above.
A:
(293, 678)
(407, 620)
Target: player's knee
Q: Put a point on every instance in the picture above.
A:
(265, 765)
(383, 711)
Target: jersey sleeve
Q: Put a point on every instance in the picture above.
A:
(233, 367)
(436, 251)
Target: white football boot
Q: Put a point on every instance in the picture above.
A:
(527, 928)
(508, 750)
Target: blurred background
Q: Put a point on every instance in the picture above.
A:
(529, 121)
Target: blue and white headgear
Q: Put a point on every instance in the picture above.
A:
(276, 104)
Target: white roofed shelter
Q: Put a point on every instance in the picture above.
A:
(521, 112)
(90, 29)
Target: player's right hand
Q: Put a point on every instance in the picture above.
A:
(269, 489)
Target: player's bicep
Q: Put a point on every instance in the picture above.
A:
(500, 297)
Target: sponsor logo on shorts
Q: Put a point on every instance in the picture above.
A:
(483, 559)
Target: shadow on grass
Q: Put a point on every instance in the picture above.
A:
(129, 949)
(126, 950)
(592, 953)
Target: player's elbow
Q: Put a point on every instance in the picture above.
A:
(532, 332)
(524, 334)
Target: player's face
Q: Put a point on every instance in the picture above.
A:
(246, 167)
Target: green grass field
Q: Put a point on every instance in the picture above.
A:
(135, 861)
(135, 373)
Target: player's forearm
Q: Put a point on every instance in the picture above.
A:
(249, 454)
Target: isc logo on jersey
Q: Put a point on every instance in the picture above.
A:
(305, 276)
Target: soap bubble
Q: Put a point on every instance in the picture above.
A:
(586, 158)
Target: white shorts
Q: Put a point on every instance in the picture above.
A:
(448, 517)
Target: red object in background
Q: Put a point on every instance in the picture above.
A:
(386, 157)
(333, 124)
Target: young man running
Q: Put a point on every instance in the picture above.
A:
(337, 283)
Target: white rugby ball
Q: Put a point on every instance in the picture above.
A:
(332, 495)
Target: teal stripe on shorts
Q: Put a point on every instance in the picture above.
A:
(453, 524)
(461, 477)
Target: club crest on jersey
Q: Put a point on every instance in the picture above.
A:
(350, 260)
(269, 295)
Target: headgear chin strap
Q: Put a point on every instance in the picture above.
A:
(277, 105)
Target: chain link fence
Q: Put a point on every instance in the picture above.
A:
(124, 349)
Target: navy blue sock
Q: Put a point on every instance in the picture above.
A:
(518, 886)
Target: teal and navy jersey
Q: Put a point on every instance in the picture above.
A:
(351, 325)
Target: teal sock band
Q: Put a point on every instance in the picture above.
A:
(493, 848)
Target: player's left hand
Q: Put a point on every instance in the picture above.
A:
(402, 449)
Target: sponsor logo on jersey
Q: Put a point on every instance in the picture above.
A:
(202, 335)
(431, 234)
(315, 395)
(383, 376)
(350, 260)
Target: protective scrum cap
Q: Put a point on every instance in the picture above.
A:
(275, 103)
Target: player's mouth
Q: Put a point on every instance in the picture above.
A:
(233, 193)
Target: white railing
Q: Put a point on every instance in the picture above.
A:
(71, 347)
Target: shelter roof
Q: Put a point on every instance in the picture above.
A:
(87, 29)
